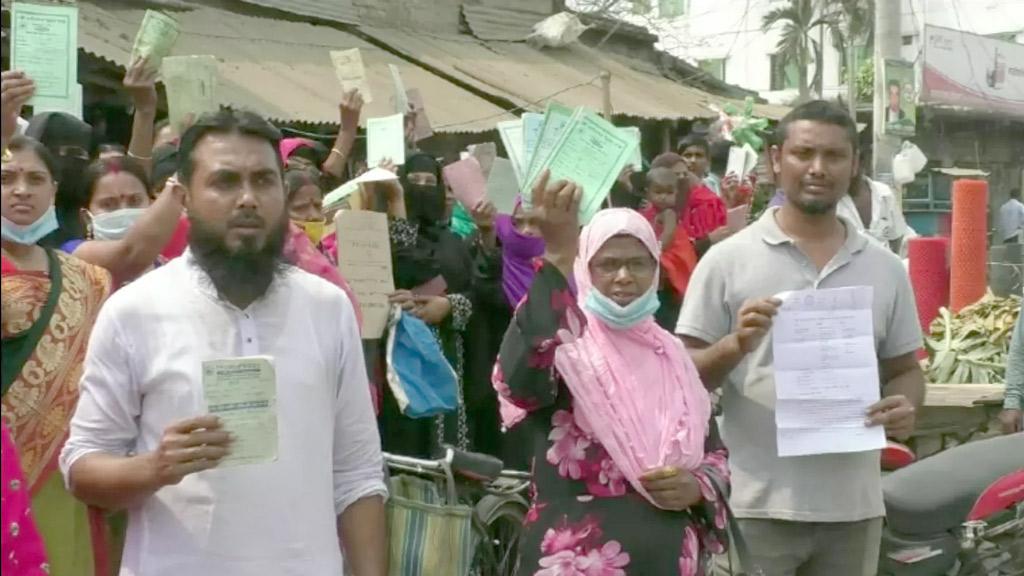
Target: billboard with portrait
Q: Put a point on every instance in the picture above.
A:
(900, 99)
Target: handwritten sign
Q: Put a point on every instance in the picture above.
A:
(44, 45)
(155, 39)
(348, 66)
(191, 83)
(364, 259)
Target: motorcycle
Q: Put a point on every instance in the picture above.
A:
(958, 513)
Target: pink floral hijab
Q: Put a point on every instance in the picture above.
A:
(638, 383)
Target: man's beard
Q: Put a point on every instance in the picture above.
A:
(243, 274)
(814, 207)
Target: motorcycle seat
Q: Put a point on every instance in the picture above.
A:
(936, 494)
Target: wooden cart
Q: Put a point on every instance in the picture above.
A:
(955, 414)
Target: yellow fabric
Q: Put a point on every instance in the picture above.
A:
(314, 229)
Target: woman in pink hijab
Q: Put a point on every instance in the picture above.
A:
(628, 466)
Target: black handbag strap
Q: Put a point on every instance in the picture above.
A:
(739, 543)
(18, 349)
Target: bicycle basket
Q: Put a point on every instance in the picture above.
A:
(428, 536)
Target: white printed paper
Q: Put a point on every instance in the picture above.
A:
(532, 125)
(636, 159)
(348, 188)
(348, 67)
(511, 132)
(826, 372)
(742, 161)
(385, 139)
(242, 392)
(401, 97)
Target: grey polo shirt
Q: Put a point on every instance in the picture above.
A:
(759, 262)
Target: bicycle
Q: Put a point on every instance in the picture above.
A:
(495, 495)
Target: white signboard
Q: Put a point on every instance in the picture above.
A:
(972, 71)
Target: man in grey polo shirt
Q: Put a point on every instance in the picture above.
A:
(806, 515)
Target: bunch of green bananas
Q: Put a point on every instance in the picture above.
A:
(971, 347)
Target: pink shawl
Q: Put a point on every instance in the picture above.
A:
(289, 145)
(638, 386)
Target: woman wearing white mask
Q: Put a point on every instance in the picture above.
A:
(50, 301)
(124, 232)
(629, 473)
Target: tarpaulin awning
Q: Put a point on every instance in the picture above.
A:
(529, 77)
(282, 69)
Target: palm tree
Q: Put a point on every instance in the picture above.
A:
(797, 45)
(851, 24)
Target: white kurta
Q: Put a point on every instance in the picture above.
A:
(142, 373)
(887, 223)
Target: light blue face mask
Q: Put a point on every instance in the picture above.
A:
(622, 317)
(114, 225)
(29, 234)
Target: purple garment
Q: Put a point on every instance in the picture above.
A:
(778, 200)
(70, 246)
(518, 252)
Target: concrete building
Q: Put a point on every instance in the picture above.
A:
(725, 37)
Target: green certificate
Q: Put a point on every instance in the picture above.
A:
(556, 118)
(44, 45)
(191, 83)
(156, 37)
(591, 153)
(242, 392)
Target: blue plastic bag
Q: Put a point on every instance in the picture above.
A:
(419, 376)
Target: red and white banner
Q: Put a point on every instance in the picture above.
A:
(972, 71)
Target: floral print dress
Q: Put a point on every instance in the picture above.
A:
(585, 519)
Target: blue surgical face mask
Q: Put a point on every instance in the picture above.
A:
(114, 225)
(622, 317)
(30, 234)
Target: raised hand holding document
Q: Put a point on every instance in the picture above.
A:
(826, 372)
(242, 392)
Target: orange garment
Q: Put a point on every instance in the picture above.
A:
(679, 258)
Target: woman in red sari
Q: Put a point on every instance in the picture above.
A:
(50, 301)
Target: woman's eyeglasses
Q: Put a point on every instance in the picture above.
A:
(635, 266)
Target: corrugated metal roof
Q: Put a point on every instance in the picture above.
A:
(491, 23)
(529, 77)
(333, 10)
(282, 70)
